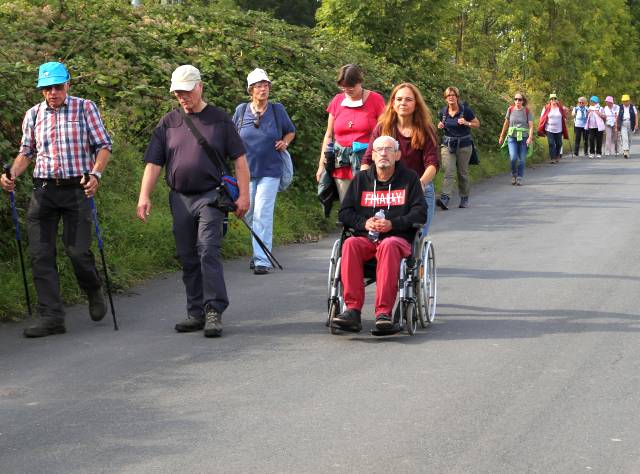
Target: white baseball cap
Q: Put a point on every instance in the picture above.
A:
(257, 75)
(184, 78)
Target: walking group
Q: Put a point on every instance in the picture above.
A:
(377, 159)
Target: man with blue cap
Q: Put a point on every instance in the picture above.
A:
(65, 138)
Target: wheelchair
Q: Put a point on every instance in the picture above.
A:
(417, 289)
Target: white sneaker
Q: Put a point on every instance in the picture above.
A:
(590, 156)
(598, 156)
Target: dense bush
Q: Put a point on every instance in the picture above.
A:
(122, 58)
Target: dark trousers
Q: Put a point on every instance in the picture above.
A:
(580, 133)
(197, 228)
(50, 203)
(555, 144)
(595, 141)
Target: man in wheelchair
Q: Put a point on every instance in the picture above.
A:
(383, 206)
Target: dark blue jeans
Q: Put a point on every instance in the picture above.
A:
(555, 144)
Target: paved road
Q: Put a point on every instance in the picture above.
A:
(531, 366)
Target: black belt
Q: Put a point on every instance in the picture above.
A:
(60, 182)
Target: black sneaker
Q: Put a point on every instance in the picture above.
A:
(464, 202)
(97, 305)
(383, 322)
(349, 320)
(443, 202)
(190, 324)
(213, 323)
(45, 327)
(261, 270)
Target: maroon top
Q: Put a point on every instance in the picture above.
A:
(417, 160)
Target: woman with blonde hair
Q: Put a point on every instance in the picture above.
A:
(407, 118)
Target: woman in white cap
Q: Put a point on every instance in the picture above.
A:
(266, 131)
(611, 126)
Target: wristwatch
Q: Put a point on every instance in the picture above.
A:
(97, 174)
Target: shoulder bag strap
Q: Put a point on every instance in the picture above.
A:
(275, 114)
(214, 156)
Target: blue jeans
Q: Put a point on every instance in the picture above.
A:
(555, 144)
(518, 155)
(430, 199)
(263, 192)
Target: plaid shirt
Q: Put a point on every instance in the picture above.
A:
(64, 140)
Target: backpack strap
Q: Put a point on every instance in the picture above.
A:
(243, 110)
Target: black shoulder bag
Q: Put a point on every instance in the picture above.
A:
(228, 185)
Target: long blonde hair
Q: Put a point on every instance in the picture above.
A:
(423, 127)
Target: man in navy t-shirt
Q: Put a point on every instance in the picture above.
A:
(193, 178)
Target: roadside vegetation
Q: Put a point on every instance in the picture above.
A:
(122, 58)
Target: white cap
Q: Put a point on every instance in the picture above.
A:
(184, 78)
(257, 75)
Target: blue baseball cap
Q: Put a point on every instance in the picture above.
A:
(594, 99)
(51, 74)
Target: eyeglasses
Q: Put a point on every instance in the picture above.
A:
(256, 121)
(553, 99)
(518, 99)
(384, 150)
(261, 85)
(58, 87)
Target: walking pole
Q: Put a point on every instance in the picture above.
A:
(14, 216)
(94, 214)
(264, 248)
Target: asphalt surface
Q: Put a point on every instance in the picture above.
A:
(531, 365)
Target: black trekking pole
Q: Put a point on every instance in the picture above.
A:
(14, 216)
(94, 214)
(264, 248)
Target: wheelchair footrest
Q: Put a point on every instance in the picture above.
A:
(395, 329)
(345, 329)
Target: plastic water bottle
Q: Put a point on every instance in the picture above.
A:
(374, 235)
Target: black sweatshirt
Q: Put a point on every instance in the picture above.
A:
(401, 198)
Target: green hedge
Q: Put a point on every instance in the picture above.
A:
(122, 58)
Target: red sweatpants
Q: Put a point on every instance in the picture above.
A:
(389, 252)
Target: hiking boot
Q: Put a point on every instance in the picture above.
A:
(443, 202)
(464, 202)
(191, 324)
(97, 305)
(349, 320)
(519, 181)
(261, 270)
(213, 324)
(383, 322)
(45, 327)
(513, 180)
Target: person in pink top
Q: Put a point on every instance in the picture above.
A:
(353, 115)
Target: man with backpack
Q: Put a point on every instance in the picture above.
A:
(193, 142)
(66, 140)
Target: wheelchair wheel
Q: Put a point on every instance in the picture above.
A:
(408, 309)
(427, 285)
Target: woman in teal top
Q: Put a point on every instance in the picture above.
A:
(518, 129)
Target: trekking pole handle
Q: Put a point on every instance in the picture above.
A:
(94, 213)
(7, 170)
